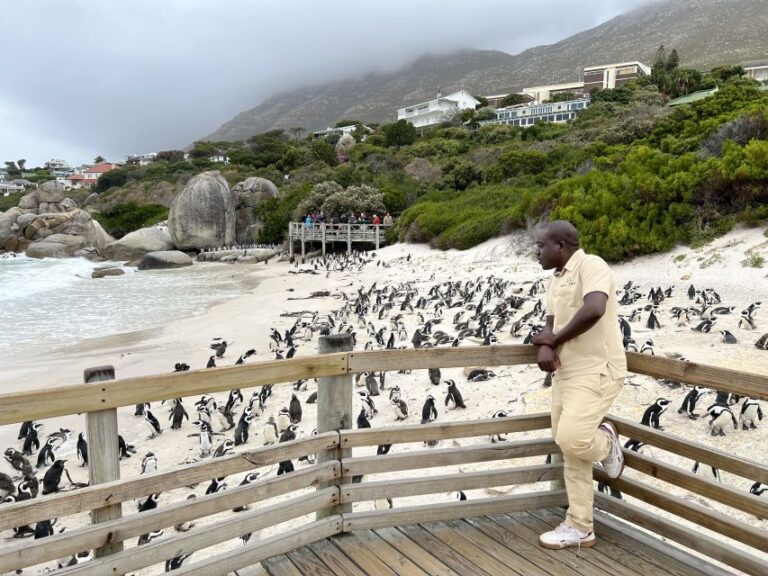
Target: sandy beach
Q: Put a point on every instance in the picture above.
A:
(246, 321)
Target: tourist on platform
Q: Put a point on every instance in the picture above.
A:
(387, 219)
(376, 221)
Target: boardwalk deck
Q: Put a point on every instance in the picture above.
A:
(349, 234)
(487, 546)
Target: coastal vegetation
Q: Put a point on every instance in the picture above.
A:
(635, 175)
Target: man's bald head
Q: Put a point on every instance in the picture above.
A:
(562, 231)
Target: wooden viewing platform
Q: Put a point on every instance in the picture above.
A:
(349, 234)
(330, 535)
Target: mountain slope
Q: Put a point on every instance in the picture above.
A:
(706, 33)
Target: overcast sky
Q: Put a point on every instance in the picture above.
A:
(81, 78)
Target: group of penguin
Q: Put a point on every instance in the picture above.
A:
(451, 313)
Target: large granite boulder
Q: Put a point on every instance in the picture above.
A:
(6, 229)
(51, 192)
(203, 215)
(138, 243)
(56, 246)
(164, 259)
(29, 201)
(249, 194)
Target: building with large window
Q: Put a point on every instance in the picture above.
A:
(528, 115)
(613, 75)
(756, 70)
(438, 110)
(544, 93)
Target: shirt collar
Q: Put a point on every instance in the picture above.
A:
(573, 261)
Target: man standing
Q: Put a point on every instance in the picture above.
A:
(581, 344)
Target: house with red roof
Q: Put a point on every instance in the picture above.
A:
(87, 176)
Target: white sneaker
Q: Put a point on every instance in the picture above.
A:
(613, 464)
(565, 536)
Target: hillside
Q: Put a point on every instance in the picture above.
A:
(706, 33)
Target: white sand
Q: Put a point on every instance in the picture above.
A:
(517, 389)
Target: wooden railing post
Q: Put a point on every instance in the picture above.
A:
(349, 239)
(334, 411)
(103, 454)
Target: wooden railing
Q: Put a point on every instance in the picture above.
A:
(375, 234)
(331, 486)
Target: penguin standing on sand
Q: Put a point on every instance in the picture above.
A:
(46, 457)
(689, 402)
(82, 450)
(653, 321)
(211, 362)
(177, 414)
(248, 479)
(289, 433)
(44, 528)
(24, 430)
(283, 419)
(31, 440)
(653, 413)
(294, 409)
(125, 449)
(224, 449)
(362, 420)
(153, 423)
(271, 433)
(150, 503)
(52, 478)
(243, 427)
(720, 417)
(205, 438)
(216, 485)
(285, 467)
(434, 376)
(751, 412)
(715, 471)
(428, 411)
(453, 398)
(401, 408)
(149, 463)
(498, 437)
(727, 337)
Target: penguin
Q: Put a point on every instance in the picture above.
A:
(294, 409)
(44, 528)
(653, 321)
(32, 484)
(603, 487)
(758, 488)
(150, 503)
(428, 411)
(7, 486)
(727, 337)
(126, 450)
(715, 471)
(394, 393)
(312, 398)
(140, 408)
(82, 450)
(691, 292)
(283, 419)
(705, 326)
(177, 414)
(383, 504)
(149, 537)
(362, 421)
(242, 431)
(52, 478)
(689, 402)
(383, 449)
(75, 559)
(25, 530)
(149, 463)
(211, 362)
(751, 412)
(401, 408)
(205, 437)
(285, 467)
(647, 348)
(216, 485)
(747, 322)
(653, 413)
(187, 525)
(224, 449)
(248, 479)
(31, 440)
(371, 384)
(17, 461)
(434, 376)
(499, 437)
(762, 342)
(480, 375)
(289, 433)
(175, 563)
(46, 457)
(453, 398)
(459, 495)
(634, 445)
(24, 429)
(720, 415)
(270, 431)
(153, 423)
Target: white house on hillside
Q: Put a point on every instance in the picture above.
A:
(438, 110)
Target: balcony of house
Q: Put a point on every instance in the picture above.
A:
(352, 510)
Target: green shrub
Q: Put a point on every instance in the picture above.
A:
(8, 202)
(125, 218)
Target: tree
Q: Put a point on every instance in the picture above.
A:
(98, 159)
(345, 122)
(673, 61)
(513, 100)
(20, 163)
(563, 97)
(483, 102)
(12, 168)
(171, 156)
(296, 132)
(400, 133)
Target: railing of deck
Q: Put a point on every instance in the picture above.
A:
(335, 475)
(375, 234)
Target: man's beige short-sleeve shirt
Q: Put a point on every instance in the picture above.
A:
(599, 350)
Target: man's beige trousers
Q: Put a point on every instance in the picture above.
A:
(579, 405)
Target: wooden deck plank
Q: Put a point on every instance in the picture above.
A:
(308, 563)
(334, 558)
(388, 554)
(470, 549)
(255, 570)
(633, 553)
(280, 565)
(604, 558)
(368, 562)
(500, 550)
(415, 553)
(456, 561)
(523, 541)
